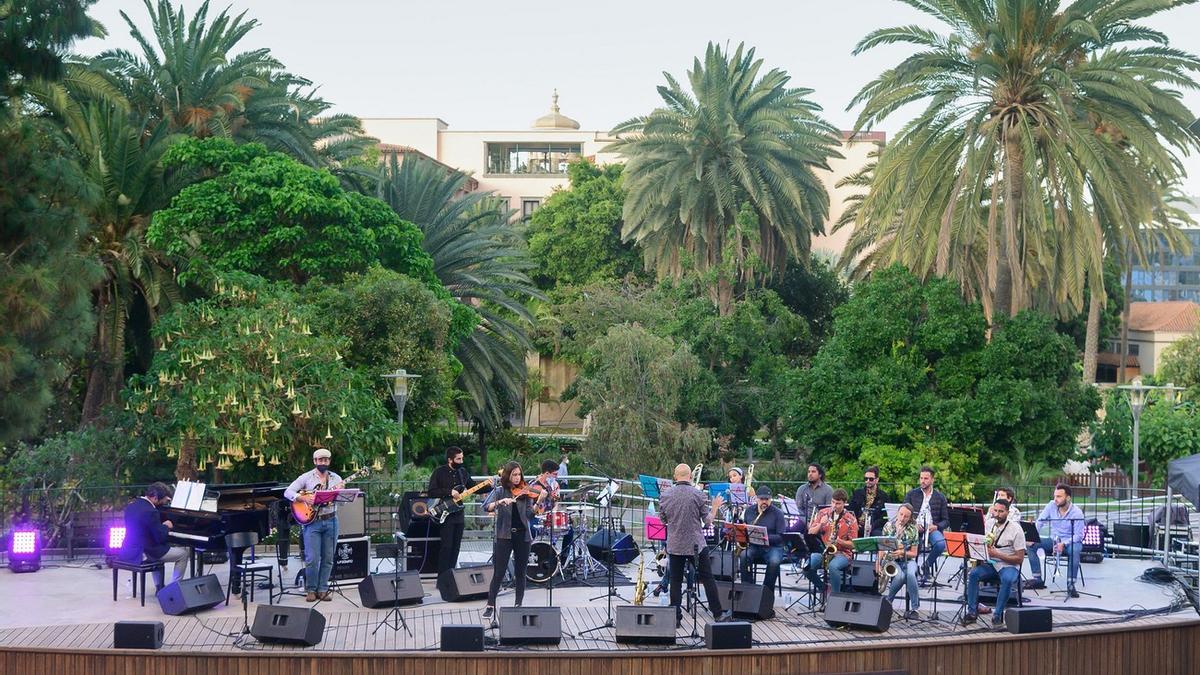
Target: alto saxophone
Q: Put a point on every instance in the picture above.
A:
(831, 548)
(639, 586)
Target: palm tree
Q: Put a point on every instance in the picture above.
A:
(1041, 127)
(726, 173)
(479, 257)
(189, 77)
(120, 158)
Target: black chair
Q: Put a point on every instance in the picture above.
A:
(138, 570)
(247, 573)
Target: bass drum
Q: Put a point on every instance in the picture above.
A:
(543, 562)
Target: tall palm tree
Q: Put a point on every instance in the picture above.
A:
(190, 77)
(479, 257)
(726, 173)
(1036, 119)
(119, 154)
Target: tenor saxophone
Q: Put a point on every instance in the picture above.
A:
(831, 548)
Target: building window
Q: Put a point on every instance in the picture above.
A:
(531, 158)
(528, 206)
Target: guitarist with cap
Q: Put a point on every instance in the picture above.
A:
(450, 480)
(320, 535)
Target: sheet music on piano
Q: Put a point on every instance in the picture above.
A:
(188, 495)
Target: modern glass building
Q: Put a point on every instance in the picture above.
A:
(1172, 276)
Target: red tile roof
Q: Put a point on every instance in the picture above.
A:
(1178, 316)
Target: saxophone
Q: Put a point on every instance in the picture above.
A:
(831, 548)
(887, 567)
(639, 586)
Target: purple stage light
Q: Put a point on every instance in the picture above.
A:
(24, 550)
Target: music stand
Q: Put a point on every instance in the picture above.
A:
(741, 536)
(610, 492)
(967, 546)
(1066, 594)
(387, 620)
(966, 519)
(813, 543)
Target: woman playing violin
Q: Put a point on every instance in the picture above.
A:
(512, 501)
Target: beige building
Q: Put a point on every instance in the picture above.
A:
(1153, 326)
(525, 166)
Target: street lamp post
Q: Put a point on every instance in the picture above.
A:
(400, 388)
(1138, 395)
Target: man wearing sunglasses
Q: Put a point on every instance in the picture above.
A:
(868, 503)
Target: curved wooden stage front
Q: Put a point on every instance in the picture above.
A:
(1085, 644)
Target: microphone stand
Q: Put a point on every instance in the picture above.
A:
(611, 555)
(693, 590)
(557, 565)
(397, 537)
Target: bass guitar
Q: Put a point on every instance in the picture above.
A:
(441, 508)
(305, 513)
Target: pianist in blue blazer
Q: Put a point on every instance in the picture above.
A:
(146, 534)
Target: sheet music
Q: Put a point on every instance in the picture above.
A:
(188, 495)
(737, 494)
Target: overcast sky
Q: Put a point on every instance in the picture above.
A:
(492, 65)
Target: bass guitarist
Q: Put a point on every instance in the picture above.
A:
(450, 480)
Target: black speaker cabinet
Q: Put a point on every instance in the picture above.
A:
(530, 625)
(462, 638)
(645, 623)
(1028, 620)
(386, 590)
(749, 601)
(722, 564)
(190, 595)
(1131, 534)
(465, 583)
(856, 610)
(610, 546)
(863, 578)
(137, 635)
(294, 625)
(729, 635)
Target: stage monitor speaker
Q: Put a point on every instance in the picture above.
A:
(190, 595)
(462, 638)
(352, 518)
(729, 635)
(1136, 535)
(856, 610)
(646, 623)
(387, 590)
(465, 583)
(294, 625)
(137, 635)
(1028, 620)
(610, 546)
(721, 563)
(530, 625)
(748, 601)
(863, 578)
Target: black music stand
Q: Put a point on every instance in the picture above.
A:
(608, 546)
(969, 550)
(1066, 594)
(394, 619)
(813, 543)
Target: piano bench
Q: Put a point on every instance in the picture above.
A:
(138, 570)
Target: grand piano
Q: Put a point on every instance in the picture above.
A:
(234, 507)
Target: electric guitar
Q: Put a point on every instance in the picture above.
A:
(441, 508)
(305, 513)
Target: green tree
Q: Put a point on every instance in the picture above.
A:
(480, 259)
(1180, 365)
(34, 38)
(631, 384)
(45, 278)
(266, 213)
(242, 380)
(575, 237)
(736, 144)
(1045, 135)
(910, 362)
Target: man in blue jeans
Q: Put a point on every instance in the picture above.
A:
(933, 518)
(320, 536)
(1065, 538)
(769, 516)
(1006, 552)
(838, 527)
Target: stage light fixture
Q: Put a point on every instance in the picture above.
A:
(25, 550)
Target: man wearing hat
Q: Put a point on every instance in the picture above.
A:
(765, 514)
(319, 536)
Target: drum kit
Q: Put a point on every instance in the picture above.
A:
(560, 541)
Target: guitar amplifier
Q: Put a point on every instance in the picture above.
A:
(352, 519)
(351, 560)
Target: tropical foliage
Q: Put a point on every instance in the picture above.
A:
(722, 179)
